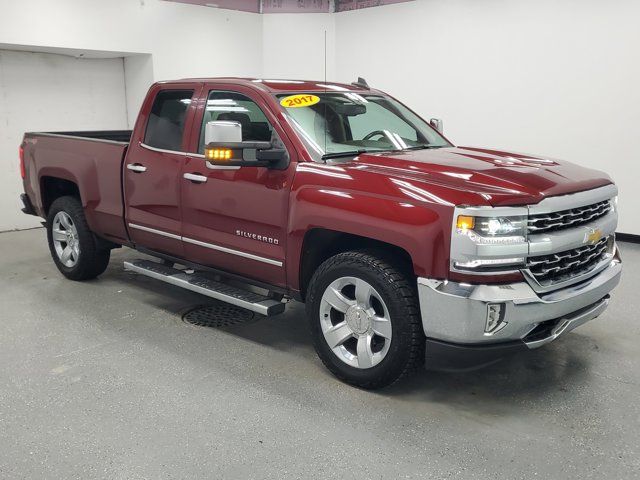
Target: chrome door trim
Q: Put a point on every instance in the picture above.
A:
(211, 246)
(161, 150)
(250, 256)
(157, 232)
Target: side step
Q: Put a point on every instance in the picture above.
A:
(205, 286)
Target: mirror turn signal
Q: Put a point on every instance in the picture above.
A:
(245, 154)
(218, 153)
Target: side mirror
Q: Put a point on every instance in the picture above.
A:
(437, 123)
(244, 154)
(222, 131)
(224, 147)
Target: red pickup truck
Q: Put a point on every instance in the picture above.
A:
(403, 246)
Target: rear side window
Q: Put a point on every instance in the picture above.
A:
(166, 121)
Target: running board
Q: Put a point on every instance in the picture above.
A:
(205, 286)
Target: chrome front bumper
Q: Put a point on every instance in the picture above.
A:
(456, 313)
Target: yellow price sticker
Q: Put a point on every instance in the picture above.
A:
(297, 101)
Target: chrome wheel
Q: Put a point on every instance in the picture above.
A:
(65, 239)
(355, 322)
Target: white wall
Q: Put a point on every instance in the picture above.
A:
(183, 40)
(138, 77)
(557, 78)
(293, 46)
(45, 92)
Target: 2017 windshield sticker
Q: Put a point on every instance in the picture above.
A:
(301, 100)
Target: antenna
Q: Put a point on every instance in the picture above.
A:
(326, 124)
(361, 82)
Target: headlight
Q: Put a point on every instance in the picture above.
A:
(493, 226)
(494, 240)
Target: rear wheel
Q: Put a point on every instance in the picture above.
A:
(72, 245)
(364, 318)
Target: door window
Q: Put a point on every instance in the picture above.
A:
(165, 127)
(235, 107)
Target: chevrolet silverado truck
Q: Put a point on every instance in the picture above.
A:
(405, 248)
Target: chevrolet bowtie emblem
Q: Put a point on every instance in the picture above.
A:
(592, 236)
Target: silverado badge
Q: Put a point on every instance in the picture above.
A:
(592, 236)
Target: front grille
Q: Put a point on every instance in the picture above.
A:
(548, 222)
(558, 267)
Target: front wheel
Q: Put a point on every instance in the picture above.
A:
(72, 245)
(364, 319)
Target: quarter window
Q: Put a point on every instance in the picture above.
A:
(165, 128)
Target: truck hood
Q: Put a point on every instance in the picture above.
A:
(500, 178)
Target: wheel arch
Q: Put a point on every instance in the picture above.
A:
(320, 244)
(53, 187)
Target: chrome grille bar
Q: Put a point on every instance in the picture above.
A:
(574, 217)
(558, 267)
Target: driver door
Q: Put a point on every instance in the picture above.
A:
(235, 218)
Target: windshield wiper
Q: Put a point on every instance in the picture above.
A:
(423, 147)
(352, 153)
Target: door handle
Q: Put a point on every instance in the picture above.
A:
(136, 167)
(195, 177)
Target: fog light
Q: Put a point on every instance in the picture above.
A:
(495, 317)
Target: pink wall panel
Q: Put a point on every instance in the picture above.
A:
(290, 6)
(295, 6)
(344, 5)
(243, 5)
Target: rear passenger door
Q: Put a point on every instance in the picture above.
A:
(152, 170)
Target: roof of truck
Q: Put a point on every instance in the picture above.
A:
(279, 86)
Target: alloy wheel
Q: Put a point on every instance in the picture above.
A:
(65, 239)
(355, 322)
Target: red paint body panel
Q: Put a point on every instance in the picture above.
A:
(346, 199)
(95, 167)
(402, 198)
(153, 198)
(501, 178)
(254, 200)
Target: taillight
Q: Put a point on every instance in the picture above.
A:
(22, 172)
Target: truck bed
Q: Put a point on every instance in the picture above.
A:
(89, 160)
(120, 136)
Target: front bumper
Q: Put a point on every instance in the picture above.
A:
(455, 314)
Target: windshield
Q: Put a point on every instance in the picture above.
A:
(342, 124)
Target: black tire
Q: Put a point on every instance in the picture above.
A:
(91, 261)
(406, 351)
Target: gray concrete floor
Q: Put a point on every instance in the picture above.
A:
(103, 380)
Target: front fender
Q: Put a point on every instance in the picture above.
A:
(421, 229)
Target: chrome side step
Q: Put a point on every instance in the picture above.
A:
(205, 286)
